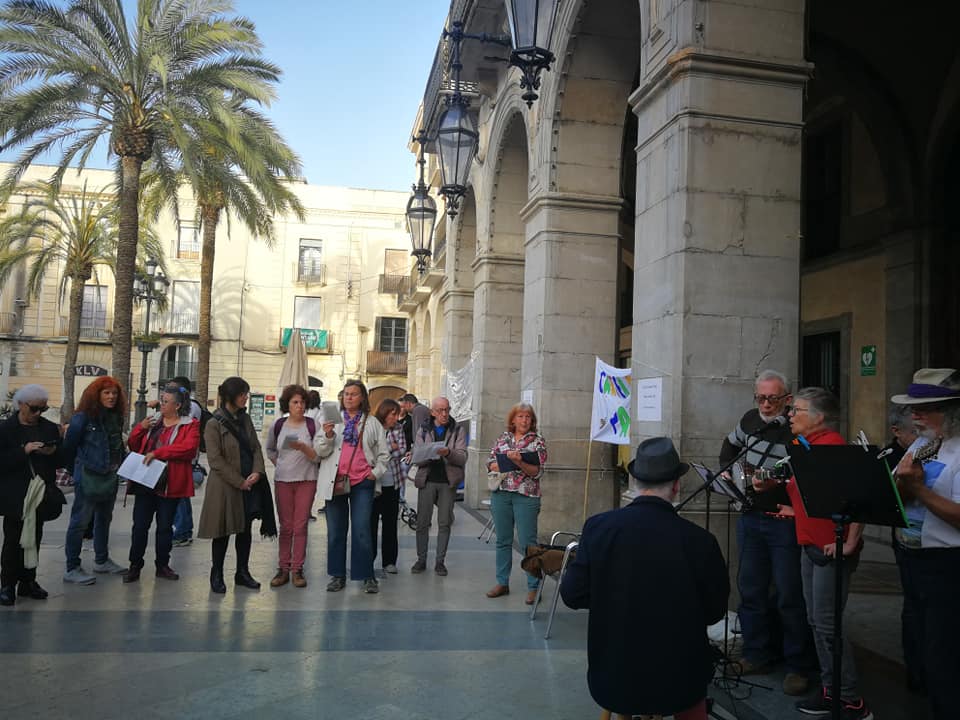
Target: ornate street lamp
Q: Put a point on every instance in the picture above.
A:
(149, 287)
(531, 29)
(421, 215)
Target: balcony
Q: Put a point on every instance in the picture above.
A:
(179, 323)
(100, 329)
(391, 283)
(403, 291)
(309, 271)
(380, 362)
(8, 323)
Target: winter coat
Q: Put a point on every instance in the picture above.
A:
(456, 442)
(16, 474)
(223, 508)
(375, 450)
(178, 455)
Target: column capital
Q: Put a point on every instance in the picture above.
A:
(496, 259)
(570, 201)
(719, 66)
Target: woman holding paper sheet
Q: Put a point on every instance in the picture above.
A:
(290, 449)
(172, 437)
(516, 499)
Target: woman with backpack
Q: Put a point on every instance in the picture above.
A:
(290, 449)
(237, 489)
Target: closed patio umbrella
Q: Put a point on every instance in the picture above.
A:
(294, 370)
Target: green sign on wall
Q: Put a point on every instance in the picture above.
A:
(868, 360)
(313, 338)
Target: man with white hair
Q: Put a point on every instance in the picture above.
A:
(769, 552)
(928, 478)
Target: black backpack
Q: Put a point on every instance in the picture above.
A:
(205, 416)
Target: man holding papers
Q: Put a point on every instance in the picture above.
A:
(440, 452)
(172, 437)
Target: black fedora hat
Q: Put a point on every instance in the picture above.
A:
(657, 461)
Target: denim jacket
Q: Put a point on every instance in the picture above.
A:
(89, 439)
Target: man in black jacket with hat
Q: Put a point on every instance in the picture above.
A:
(653, 582)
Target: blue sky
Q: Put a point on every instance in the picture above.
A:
(354, 74)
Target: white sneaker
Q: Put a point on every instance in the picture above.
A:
(108, 566)
(79, 576)
(392, 569)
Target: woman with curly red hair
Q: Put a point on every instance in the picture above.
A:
(95, 435)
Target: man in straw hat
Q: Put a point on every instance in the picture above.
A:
(928, 478)
(653, 582)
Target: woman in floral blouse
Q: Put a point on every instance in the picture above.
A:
(517, 499)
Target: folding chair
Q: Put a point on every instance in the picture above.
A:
(488, 528)
(569, 550)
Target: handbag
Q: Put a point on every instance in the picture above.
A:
(341, 484)
(51, 505)
(494, 478)
(97, 486)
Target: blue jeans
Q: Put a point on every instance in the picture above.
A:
(343, 511)
(769, 553)
(183, 520)
(507, 509)
(83, 510)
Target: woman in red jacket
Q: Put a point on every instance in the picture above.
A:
(173, 437)
(814, 417)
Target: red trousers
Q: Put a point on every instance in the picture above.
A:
(294, 502)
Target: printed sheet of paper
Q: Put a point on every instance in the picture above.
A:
(650, 399)
(134, 469)
(331, 413)
(425, 453)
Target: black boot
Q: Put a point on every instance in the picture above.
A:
(8, 595)
(244, 579)
(216, 581)
(31, 589)
(133, 572)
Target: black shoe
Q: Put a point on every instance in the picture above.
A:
(819, 704)
(132, 574)
(244, 579)
(8, 595)
(216, 581)
(32, 590)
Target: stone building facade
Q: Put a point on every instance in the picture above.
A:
(332, 275)
(703, 190)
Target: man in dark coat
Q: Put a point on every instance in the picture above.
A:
(653, 582)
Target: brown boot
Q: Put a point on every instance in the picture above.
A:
(497, 591)
(281, 578)
(298, 579)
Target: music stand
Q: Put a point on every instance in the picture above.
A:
(845, 484)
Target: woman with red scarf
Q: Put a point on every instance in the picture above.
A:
(172, 437)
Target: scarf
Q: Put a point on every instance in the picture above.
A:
(350, 434)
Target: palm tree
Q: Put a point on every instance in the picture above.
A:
(245, 177)
(71, 77)
(77, 232)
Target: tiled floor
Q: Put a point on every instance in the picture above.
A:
(425, 647)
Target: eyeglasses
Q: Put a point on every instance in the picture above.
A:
(38, 408)
(761, 399)
(797, 410)
(442, 410)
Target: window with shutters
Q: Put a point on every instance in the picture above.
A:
(392, 334)
(310, 267)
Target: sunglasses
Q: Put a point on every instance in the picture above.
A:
(38, 408)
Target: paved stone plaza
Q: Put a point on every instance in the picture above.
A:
(426, 647)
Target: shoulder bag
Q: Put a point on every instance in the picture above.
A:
(341, 485)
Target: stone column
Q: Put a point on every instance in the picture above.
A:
(718, 213)
(497, 333)
(569, 316)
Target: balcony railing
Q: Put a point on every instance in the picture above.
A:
(311, 272)
(391, 283)
(380, 362)
(99, 330)
(8, 321)
(180, 323)
(403, 290)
